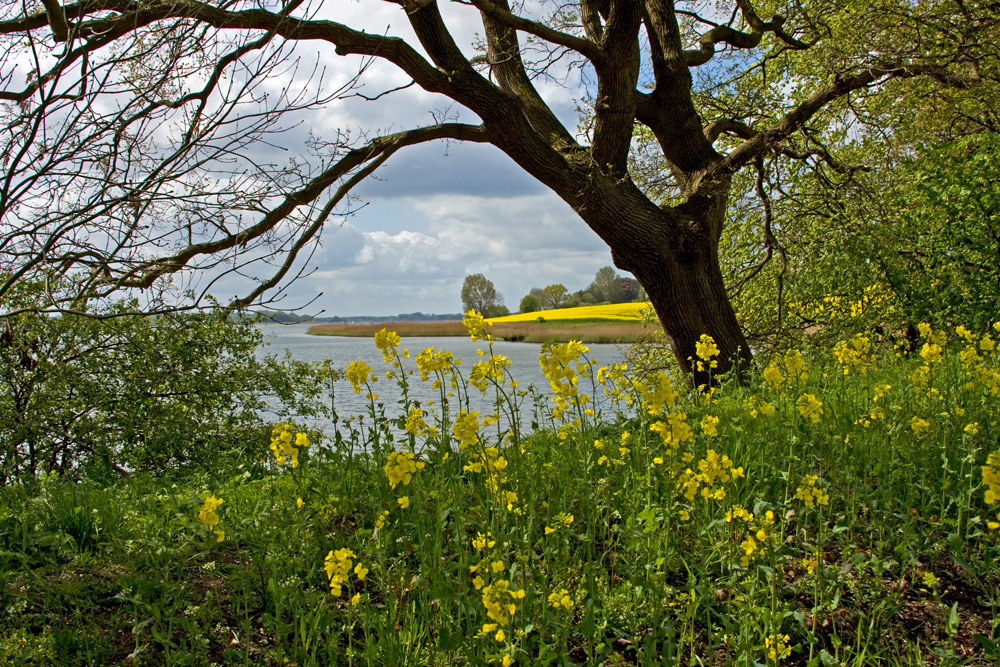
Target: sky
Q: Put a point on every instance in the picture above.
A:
(434, 213)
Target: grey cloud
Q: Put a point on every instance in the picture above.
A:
(451, 168)
(517, 242)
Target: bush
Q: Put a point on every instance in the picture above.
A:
(529, 304)
(113, 391)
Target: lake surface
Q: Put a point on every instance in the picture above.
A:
(341, 350)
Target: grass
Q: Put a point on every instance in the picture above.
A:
(810, 517)
(611, 323)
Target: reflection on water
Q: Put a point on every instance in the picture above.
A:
(340, 351)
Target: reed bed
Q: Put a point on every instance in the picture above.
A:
(560, 331)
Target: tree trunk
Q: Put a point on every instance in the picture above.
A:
(689, 296)
(674, 254)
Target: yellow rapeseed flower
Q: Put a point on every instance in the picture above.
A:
(386, 342)
(795, 364)
(810, 494)
(706, 350)
(475, 325)
(561, 599)
(208, 513)
(337, 565)
(627, 312)
(773, 376)
(400, 468)
(855, 353)
(415, 424)
(482, 541)
(466, 429)
(991, 477)
(777, 647)
(810, 407)
(357, 374)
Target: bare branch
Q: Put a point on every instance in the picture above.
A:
(57, 20)
(585, 47)
(723, 34)
(727, 125)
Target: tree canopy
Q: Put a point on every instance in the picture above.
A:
(130, 125)
(480, 294)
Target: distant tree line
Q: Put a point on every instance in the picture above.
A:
(402, 317)
(480, 294)
(607, 287)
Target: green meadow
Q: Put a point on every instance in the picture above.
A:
(836, 508)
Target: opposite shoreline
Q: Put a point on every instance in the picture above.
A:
(523, 332)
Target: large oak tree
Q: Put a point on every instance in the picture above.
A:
(97, 189)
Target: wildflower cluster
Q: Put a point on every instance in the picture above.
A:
(357, 374)
(674, 431)
(934, 342)
(466, 429)
(706, 350)
(777, 647)
(559, 521)
(991, 479)
(713, 472)
(854, 353)
(483, 541)
(795, 370)
(810, 407)
(758, 406)
(434, 362)
(386, 342)
(416, 425)
(981, 359)
(338, 567)
(811, 494)
(476, 325)
(556, 360)
(656, 393)
(209, 516)
(919, 426)
(757, 531)
(488, 370)
(285, 447)
(560, 599)
(400, 468)
(499, 600)
(489, 463)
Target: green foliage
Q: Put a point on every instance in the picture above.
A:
(480, 294)
(914, 241)
(607, 286)
(836, 509)
(556, 296)
(529, 304)
(941, 253)
(110, 391)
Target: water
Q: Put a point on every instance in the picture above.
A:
(341, 350)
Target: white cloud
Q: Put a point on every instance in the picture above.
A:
(517, 242)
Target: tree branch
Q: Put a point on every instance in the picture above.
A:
(723, 34)
(728, 125)
(581, 45)
(57, 20)
(377, 150)
(614, 111)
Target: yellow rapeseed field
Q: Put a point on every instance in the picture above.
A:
(616, 312)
